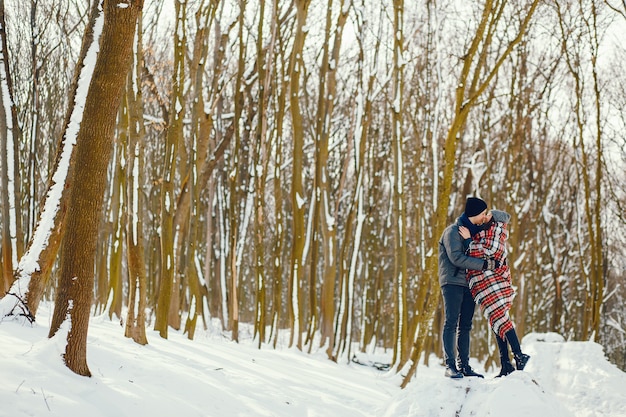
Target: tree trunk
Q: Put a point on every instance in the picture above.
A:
(265, 65)
(93, 150)
(277, 249)
(136, 316)
(167, 283)
(200, 136)
(9, 180)
(296, 66)
(113, 233)
(401, 349)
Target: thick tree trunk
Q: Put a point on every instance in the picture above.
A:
(93, 151)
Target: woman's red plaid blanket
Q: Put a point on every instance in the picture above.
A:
(492, 289)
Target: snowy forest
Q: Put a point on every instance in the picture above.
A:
(291, 165)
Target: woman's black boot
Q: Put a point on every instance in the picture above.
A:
(521, 359)
(503, 348)
(507, 368)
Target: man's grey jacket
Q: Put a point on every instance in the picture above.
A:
(453, 262)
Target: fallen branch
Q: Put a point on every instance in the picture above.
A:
(21, 304)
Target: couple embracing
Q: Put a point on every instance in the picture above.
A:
(473, 270)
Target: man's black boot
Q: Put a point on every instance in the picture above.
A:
(452, 372)
(467, 370)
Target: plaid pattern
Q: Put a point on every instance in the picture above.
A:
(492, 290)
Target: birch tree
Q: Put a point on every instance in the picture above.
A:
(401, 349)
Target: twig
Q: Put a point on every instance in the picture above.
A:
(45, 400)
(22, 305)
(19, 386)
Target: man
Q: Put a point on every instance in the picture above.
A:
(458, 303)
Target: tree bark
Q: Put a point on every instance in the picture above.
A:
(137, 281)
(93, 151)
(167, 284)
(10, 242)
(401, 349)
(296, 66)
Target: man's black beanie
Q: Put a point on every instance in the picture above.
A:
(474, 206)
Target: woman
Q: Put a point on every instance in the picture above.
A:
(492, 289)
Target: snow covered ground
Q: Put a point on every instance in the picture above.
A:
(212, 376)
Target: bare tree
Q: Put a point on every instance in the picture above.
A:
(475, 76)
(93, 150)
(296, 67)
(279, 236)
(137, 280)
(266, 67)
(589, 162)
(9, 180)
(324, 220)
(173, 138)
(34, 268)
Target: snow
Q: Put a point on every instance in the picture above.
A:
(213, 376)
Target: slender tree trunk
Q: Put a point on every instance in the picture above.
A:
(174, 136)
(401, 350)
(353, 234)
(198, 159)
(265, 57)
(296, 66)
(34, 130)
(211, 122)
(8, 136)
(324, 218)
(137, 280)
(596, 212)
(113, 234)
